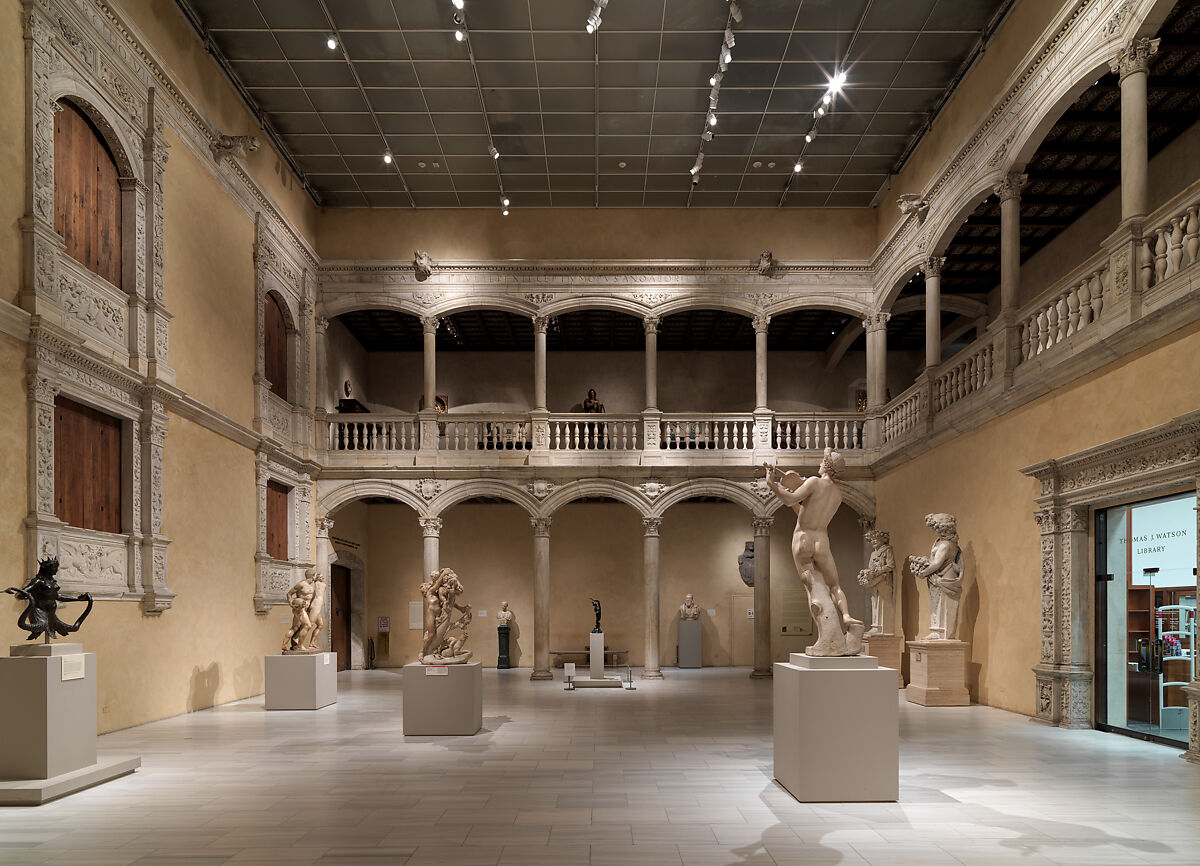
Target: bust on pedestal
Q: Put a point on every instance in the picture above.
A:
(504, 618)
(938, 662)
(690, 647)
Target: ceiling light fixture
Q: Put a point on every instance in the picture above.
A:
(459, 36)
(810, 135)
(504, 212)
(504, 201)
(724, 58)
(593, 20)
(798, 166)
(332, 43)
(837, 82)
(712, 119)
(492, 150)
(387, 157)
(458, 4)
(695, 169)
(735, 12)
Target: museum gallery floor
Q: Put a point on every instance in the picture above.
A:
(678, 771)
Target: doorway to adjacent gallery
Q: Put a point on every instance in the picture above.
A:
(339, 627)
(1146, 616)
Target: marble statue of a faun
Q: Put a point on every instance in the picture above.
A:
(943, 573)
(815, 500)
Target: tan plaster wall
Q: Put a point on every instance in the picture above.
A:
(976, 477)
(607, 233)
(14, 472)
(12, 147)
(209, 274)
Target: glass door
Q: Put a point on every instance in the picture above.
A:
(1146, 616)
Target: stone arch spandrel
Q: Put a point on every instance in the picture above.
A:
(617, 490)
(720, 488)
(860, 501)
(458, 492)
(333, 495)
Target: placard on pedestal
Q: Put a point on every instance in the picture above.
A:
(937, 673)
(837, 729)
(48, 725)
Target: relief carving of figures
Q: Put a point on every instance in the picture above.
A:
(943, 572)
(878, 577)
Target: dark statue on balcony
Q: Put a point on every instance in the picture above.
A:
(41, 595)
(596, 607)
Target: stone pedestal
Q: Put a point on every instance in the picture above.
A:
(443, 700)
(937, 673)
(889, 649)
(837, 729)
(502, 644)
(301, 682)
(689, 643)
(596, 673)
(48, 725)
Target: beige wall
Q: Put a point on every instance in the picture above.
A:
(608, 233)
(976, 477)
(596, 550)
(12, 147)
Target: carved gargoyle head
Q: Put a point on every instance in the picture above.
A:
(766, 262)
(235, 145)
(422, 265)
(912, 203)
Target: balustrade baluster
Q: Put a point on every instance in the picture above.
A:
(1063, 321)
(1051, 325)
(1146, 263)
(1191, 240)
(1085, 303)
(1175, 246)
(1160, 253)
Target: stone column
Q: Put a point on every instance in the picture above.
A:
(324, 555)
(761, 321)
(1008, 350)
(762, 597)
(540, 324)
(651, 325)
(650, 670)
(541, 598)
(321, 401)
(933, 312)
(429, 326)
(876, 327)
(1132, 65)
(431, 532)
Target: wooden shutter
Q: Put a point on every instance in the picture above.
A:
(277, 522)
(275, 347)
(87, 194)
(87, 466)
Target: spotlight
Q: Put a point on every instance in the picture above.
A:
(332, 43)
(826, 99)
(695, 169)
(712, 119)
(504, 212)
(729, 40)
(695, 178)
(459, 36)
(799, 165)
(714, 80)
(835, 83)
(458, 4)
(812, 133)
(492, 150)
(387, 157)
(504, 201)
(820, 112)
(707, 135)
(726, 58)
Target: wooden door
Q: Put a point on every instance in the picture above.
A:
(339, 626)
(741, 642)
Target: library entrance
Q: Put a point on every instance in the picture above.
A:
(1146, 616)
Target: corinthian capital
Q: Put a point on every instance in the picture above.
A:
(761, 321)
(1134, 57)
(431, 527)
(1011, 186)
(429, 324)
(876, 321)
(933, 266)
(541, 324)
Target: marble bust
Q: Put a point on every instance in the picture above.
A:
(504, 616)
(442, 616)
(689, 609)
(815, 500)
(878, 577)
(943, 573)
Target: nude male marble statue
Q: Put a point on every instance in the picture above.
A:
(943, 573)
(815, 500)
(300, 597)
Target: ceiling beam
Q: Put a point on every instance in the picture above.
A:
(950, 303)
(1112, 178)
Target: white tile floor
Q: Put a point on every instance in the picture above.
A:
(676, 772)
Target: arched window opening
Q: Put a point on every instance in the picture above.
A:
(275, 347)
(87, 194)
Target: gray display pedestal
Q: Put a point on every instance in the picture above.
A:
(48, 725)
(689, 643)
(597, 678)
(837, 729)
(443, 700)
(301, 682)
(937, 673)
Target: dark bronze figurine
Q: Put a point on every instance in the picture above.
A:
(40, 616)
(596, 607)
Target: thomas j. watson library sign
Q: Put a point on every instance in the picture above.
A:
(1162, 535)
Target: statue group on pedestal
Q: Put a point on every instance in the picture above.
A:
(445, 620)
(307, 600)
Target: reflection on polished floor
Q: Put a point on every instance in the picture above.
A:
(678, 771)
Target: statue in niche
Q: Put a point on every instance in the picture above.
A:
(504, 616)
(596, 608)
(300, 598)
(689, 610)
(439, 646)
(943, 572)
(746, 564)
(878, 578)
(815, 500)
(41, 596)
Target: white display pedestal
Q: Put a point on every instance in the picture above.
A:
(443, 700)
(48, 725)
(301, 682)
(937, 673)
(596, 658)
(689, 643)
(837, 729)
(889, 649)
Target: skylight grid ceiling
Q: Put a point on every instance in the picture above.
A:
(611, 119)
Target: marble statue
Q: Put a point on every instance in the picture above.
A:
(422, 265)
(746, 564)
(596, 608)
(815, 500)
(316, 611)
(300, 598)
(878, 578)
(41, 596)
(439, 646)
(766, 262)
(689, 609)
(943, 572)
(504, 616)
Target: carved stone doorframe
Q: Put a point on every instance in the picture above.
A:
(1156, 461)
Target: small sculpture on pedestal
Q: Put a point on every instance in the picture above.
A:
(305, 598)
(41, 595)
(440, 594)
(943, 572)
(815, 500)
(504, 616)
(878, 577)
(596, 608)
(689, 610)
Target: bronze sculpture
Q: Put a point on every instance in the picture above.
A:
(596, 608)
(41, 595)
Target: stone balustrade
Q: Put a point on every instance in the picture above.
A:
(485, 432)
(1171, 240)
(903, 413)
(587, 432)
(967, 372)
(815, 432)
(1065, 310)
(718, 432)
(373, 433)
